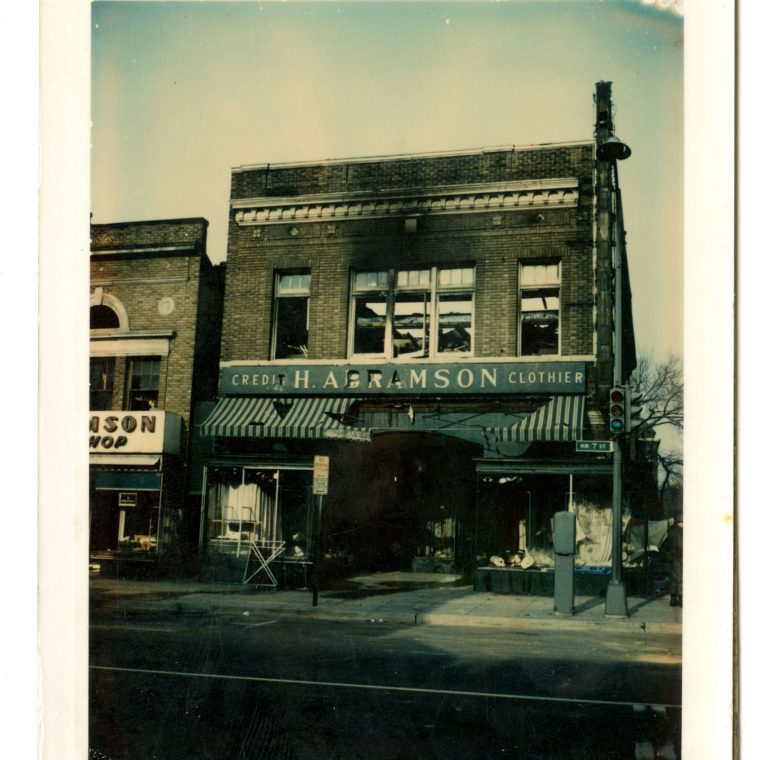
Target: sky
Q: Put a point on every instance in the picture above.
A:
(182, 92)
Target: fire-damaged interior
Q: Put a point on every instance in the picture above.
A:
(399, 501)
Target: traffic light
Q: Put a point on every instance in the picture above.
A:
(617, 410)
(632, 409)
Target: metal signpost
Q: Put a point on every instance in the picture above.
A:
(319, 489)
(610, 150)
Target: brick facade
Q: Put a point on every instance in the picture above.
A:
(495, 239)
(431, 469)
(156, 277)
(141, 263)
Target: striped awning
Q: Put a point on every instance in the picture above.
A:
(289, 417)
(560, 419)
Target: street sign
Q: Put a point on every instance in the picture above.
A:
(321, 475)
(596, 446)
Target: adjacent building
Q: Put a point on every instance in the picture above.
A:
(441, 327)
(155, 316)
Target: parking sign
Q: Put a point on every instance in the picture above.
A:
(321, 474)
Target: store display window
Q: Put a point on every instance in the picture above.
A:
(266, 508)
(124, 521)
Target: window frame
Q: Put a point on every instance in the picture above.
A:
(129, 375)
(398, 282)
(278, 295)
(546, 284)
(101, 310)
(453, 289)
(109, 365)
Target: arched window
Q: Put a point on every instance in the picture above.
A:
(103, 318)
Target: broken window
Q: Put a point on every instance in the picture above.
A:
(413, 312)
(411, 324)
(539, 309)
(290, 327)
(455, 310)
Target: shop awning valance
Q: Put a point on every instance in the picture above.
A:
(126, 460)
(288, 417)
(560, 419)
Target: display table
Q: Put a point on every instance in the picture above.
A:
(540, 582)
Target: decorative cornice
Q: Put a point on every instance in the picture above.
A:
(505, 196)
(135, 343)
(137, 250)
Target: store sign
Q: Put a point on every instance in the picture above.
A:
(347, 434)
(128, 498)
(399, 379)
(152, 432)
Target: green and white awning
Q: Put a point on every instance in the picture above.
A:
(560, 419)
(268, 417)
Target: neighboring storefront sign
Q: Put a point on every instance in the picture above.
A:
(399, 379)
(134, 432)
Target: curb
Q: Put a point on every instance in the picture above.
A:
(398, 617)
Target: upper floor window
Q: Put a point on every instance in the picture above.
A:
(143, 377)
(539, 309)
(414, 313)
(101, 382)
(290, 317)
(103, 318)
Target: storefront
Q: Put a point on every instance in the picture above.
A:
(135, 506)
(423, 477)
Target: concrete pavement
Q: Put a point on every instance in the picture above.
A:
(406, 598)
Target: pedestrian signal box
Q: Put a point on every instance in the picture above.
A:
(632, 409)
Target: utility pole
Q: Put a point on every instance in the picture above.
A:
(609, 151)
(617, 603)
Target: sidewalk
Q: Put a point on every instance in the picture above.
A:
(386, 597)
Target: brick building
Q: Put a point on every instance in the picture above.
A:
(155, 316)
(440, 326)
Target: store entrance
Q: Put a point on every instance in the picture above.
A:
(403, 503)
(124, 521)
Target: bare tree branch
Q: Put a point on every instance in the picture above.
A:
(660, 385)
(671, 465)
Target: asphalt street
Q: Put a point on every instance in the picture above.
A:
(189, 686)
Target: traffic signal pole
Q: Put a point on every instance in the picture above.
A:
(616, 604)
